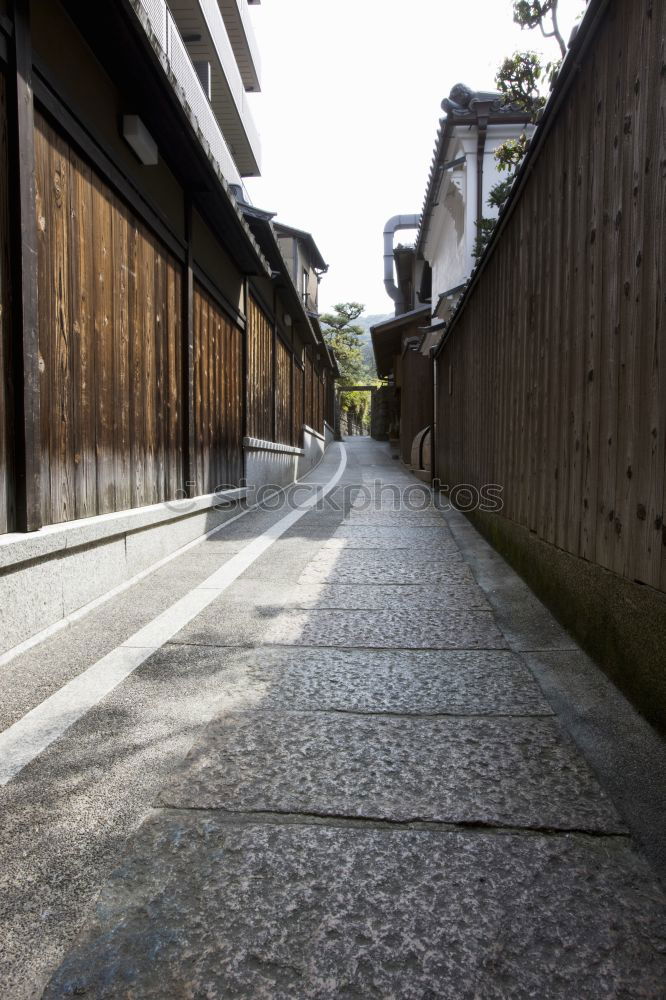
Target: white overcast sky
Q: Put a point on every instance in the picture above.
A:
(349, 110)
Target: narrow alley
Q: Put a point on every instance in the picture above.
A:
(367, 762)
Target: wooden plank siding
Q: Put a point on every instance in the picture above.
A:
(109, 333)
(260, 363)
(298, 413)
(556, 359)
(309, 405)
(415, 400)
(141, 370)
(7, 512)
(218, 381)
(283, 424)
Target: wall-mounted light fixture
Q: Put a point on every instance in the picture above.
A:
(287, 319)
(139, 138)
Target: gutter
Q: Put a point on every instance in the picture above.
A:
(482, 132)
(565, 79)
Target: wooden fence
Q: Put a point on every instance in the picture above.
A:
(416, 400)
(551, 382)
(6, 396)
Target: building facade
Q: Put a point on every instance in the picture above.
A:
(145, 358)
(425, 279)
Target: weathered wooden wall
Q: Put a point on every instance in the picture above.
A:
(123, 424)
(299, 402)
(552, 379)
(110, 345)
(218, 411)
(416, 399)
(259, 373)
(6, 398)
(309, 415)
(283, 421)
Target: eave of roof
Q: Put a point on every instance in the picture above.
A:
(386, 337)
(262, 229)
(505, 115)
(301, 234)
(404, 319)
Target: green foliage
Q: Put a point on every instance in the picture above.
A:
(484, 230)
(518, 79)
(499, 193)
(343, 335)
(510, 154)
(538, 13)
(530, 13)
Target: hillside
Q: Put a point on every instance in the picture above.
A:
(366, 322)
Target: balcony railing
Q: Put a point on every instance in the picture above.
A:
(191, 91)
(231, 107)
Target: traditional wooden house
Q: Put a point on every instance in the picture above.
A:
(144, 343)
(425, 279)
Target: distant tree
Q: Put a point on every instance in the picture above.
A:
(344, 336)
(520, 79)
(537, 14)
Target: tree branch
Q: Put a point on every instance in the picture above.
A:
(556, 30)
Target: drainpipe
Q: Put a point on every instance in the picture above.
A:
(395, 223)
(482, 111)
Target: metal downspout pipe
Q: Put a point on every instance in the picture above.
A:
(395, 223)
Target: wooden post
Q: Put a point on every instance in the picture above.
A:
(306, 358)
(274, 371)
(292, 401)
(244, 374)
(189, 428)
(433, 427)
(25, 277)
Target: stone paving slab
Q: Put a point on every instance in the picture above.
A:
(500, 771)
(206, 908)
(232, 619)
(420, 629)
(379, 505)
(335, 551)
(432, 540)
(353, 680)
(382, 568)
(352, 529)
(387, 516)
(392, 596)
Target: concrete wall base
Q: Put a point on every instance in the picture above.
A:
(314, 445)
(48, 575)
(621, 624)
(268, 464)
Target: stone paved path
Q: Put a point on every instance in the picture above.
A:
(385, 804)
